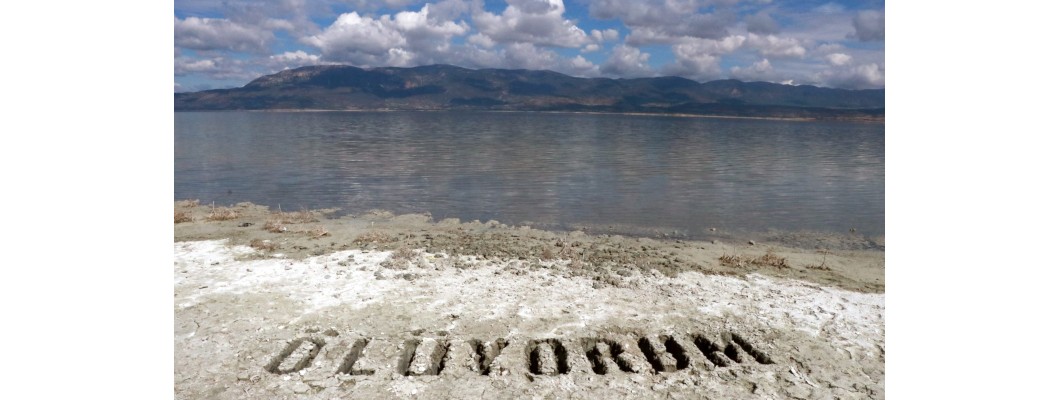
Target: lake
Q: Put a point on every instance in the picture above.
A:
(623, 173)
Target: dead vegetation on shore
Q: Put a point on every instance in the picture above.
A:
(294, 222)
(370, 238)
(181, 216)
(822, 266)
(222, 214)
(263, 245)
(770, 259)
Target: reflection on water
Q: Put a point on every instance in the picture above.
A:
(636, 172)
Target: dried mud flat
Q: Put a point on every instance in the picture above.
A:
(297, 305)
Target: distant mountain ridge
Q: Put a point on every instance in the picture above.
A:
(437, 87)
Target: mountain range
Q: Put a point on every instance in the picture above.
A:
(442, 87)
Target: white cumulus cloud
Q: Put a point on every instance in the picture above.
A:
(404, 39)
(292, 59)
(666, 22)
(351, 33)
(869, 26)
(762, 23)
(758, 71)
(220, 34)
(838, 59)
(863, 76)
(222, 68)
(539, 22)
(605, 35)
(481, 40)
(530, 56)
(626, 61)
(775, 46)
(699, 59)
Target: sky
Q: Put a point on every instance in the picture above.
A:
(224, 44)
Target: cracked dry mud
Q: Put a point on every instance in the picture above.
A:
(401, 307)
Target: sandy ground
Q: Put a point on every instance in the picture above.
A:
(383, 306)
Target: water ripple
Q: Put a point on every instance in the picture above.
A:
(686, 174)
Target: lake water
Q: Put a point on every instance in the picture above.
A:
(629, 173)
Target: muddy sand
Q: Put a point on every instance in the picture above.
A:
(303, 305)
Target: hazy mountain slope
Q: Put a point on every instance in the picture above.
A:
(448, 87)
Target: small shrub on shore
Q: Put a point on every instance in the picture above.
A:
(263, 245)
(403, 254)
(190, 203)
(181, 216)
(733, 260)
(547, 254)
(399, 259)
(771, 260)
(274, 226)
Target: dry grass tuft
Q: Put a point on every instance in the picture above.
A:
(279, 221)
(295, 217)
(547, 254)
(222, 214)
(821, 266)
(404, 254)
(734, 260)
(373, 237)
(399, 259)
(771, 260)
(766, 260)
(181, 216)
(263, 245)
(274, 226)
(319, 231)
(190, 203)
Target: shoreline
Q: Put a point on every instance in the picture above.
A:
(847, 262)
(297, 305)
(648, 114)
